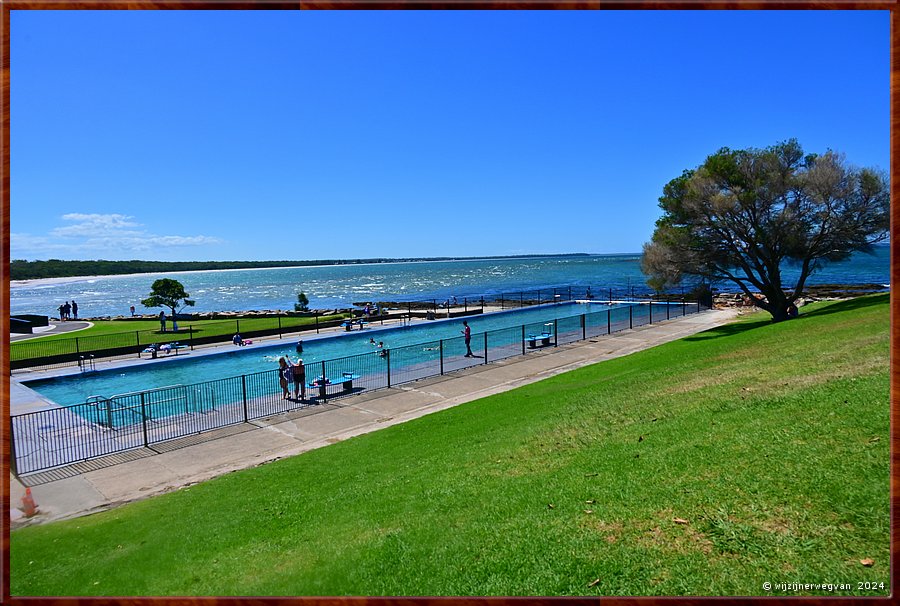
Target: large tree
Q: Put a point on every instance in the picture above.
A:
(743, 213)
(166, 292)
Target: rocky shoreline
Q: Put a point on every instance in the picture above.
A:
(819, 292)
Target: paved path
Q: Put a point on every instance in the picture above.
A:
(99, 485)
(51, 329)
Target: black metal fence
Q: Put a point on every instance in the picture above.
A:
(107, 425)
(47, 353)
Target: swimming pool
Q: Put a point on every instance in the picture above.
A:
(198, 368)
(165, 399)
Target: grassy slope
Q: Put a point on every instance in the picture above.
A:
(770, 440)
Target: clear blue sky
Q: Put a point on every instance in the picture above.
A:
(177, 135)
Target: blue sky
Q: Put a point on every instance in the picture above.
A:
(202, 135)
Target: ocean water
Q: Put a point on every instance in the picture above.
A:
(341, 285)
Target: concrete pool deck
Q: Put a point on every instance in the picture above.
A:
(110, 481)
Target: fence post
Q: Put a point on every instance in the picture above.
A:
(555, 332)
(523, 339)
(237, 325)
(610, 296)
(441, 350)
(317, 321)
(539, 296)
(191, 336)
(482, 304)
(465, 304)
(279, 327)
(387, 356)
(583, 328)
(698, 304)
(77, 349)
(323, 387)
(13, 467)
(485, 347)
(501, 301)
(144, 419)
(667, 307)
(609, 321)
(244, 395)
(521, 299)
(630, 312)
(651, 309)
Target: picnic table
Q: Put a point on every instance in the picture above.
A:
(348, 326)
(166, 348)
(322, 383)
(544, 338)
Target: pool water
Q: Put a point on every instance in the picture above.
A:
(191, 369)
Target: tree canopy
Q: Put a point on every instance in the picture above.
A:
(167, 292)
(742, 214)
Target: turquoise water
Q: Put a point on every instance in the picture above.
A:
(190, 369)
(341, 285)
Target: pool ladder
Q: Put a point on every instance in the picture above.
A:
(86, 364)
(98, 403)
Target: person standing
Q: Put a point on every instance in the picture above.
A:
(285, 377)
(299, 376)
(467, 334)
(74, 310)
(61, 310)
(67, 309)
(162, 321)
(132, 311)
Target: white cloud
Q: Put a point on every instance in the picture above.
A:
(95, 225)
(93, 235)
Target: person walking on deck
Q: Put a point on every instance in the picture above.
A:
(467, 333)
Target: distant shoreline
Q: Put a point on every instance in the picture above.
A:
(24, 273)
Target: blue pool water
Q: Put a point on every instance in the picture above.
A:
(191, 369)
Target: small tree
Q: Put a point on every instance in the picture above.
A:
(168, 293)
(302, 303)
(742, 214)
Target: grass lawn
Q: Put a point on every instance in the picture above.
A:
(150, 332)
(751, 453)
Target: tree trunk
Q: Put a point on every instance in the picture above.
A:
(778, 305)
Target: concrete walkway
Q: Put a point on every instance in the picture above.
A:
(102, 484)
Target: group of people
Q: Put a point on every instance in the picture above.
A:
(68, 311)
(370, 310)
(379, 347)
(292, 373)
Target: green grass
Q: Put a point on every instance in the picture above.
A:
(770, 440)
(113, 333)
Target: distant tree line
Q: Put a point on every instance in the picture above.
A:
(55, 268)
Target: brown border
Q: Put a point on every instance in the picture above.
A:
(8, 5)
